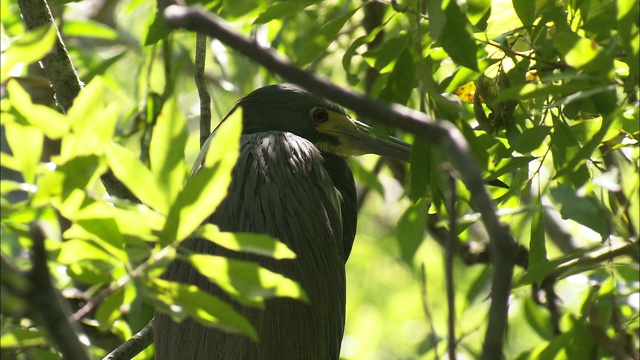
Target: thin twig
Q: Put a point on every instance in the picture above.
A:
(425, 307)
(450, 250)
(201, 85)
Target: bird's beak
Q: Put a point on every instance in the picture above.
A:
(356, 138)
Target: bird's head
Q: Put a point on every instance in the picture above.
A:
(286, 107)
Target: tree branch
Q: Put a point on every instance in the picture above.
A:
(132, 347)
(57, 64)
(201, 85)
(441, 133)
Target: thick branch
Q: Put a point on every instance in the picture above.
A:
(57, 64)
(441, 133)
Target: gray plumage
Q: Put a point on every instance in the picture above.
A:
(280, 188)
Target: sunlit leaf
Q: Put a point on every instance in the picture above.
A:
(582, 53)
(90, 29)
(246, 281)
(136, 177)
(21, 338)
(109, 309)
(92, 124)
(27, 157)
(27, 49)
(52, 123)
(259, 244)
(167, 150)
(182, 301)
(208, 187)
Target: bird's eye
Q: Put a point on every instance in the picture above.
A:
(320, 115)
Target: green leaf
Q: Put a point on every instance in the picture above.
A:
(208, 187)
(20, 338)
(538, 319)
(537, 244)
(246, 281)
(27, 49)
(321, 39)
(411, 227)
(75, 250)
(531, 139)
(136, 177)
(510, 164)
(101, 232)
(351, 52)
(585, 210)
(157, 31)
(382, 55)
(92, 124)
(366, 177)
(420, 169)
(27, 156)
(477, 10)
(581, 53)
(182, 301)
(259, 244)
(52, 123)
(109, 310)
(280, 10)
(526, 11)
(89, 29)
(579, 155)
(401, 81)
(133, 220)
(166, 150)
(457, 37)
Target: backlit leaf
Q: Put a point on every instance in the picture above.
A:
(246, 281)
(182, 301)
(27, 49)
(259, 244)
(208, 187)
(167, 150)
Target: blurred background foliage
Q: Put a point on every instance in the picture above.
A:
(546, 93)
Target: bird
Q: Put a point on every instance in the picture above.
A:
(292, 181)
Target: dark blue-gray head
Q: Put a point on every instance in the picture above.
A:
(286, 107)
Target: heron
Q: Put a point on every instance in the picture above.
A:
(292, 182)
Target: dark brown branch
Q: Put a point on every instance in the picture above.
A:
(132, 347)
(441, 133)
(45, 299)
